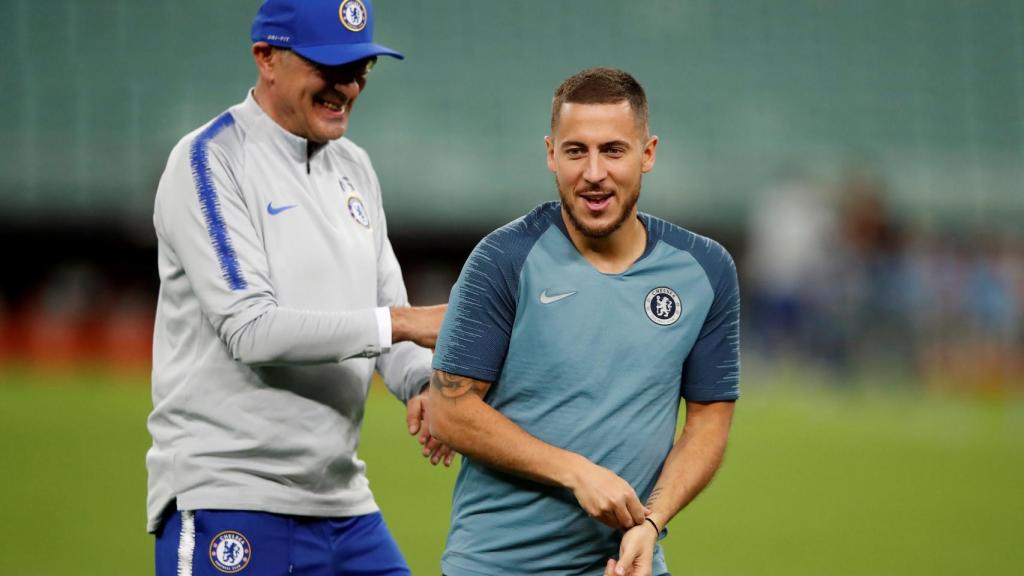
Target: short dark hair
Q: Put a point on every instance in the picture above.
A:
(601, 86)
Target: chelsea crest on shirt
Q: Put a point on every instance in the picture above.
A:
(663, 306)
(354, 203)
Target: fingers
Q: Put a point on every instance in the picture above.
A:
(609, 568)
(414, 414)
(628, 556)
(636, 553)
(417, 418)
(617, 518)
(434, 448)
(444, 455)
(623, 517)
(637, 511)
(608, 498)
(430, 446)
(437, 452)
(627, 514)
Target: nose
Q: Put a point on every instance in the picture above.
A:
(349, 86)
(594, 171)
(346, 79)
(349, 79)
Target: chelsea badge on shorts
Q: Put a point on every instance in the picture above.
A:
(663, 306)
(230, 552)
(353, 15)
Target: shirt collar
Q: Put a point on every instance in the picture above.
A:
(254, 118)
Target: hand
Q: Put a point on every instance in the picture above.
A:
(418, 324)
(636, 552)
(607, 497)
(417, 416)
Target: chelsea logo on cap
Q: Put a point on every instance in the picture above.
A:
(310, 29)
(230, 552)
(663, 306)
(353, 15)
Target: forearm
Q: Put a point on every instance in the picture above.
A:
(405, 369)
(461, 419)
(418, 324)
(290, 336)
(693, 460)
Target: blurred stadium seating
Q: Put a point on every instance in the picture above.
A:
(924, 100)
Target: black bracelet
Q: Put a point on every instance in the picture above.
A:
(656, 529)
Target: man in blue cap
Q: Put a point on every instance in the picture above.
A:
(280, 295)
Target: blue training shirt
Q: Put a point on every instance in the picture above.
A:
(594, 363)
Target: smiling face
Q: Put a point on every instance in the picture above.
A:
(598, 153)
(305, 98)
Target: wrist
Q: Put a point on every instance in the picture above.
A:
(656, 520)
(570, 472)
(398, 324)
(651, 523)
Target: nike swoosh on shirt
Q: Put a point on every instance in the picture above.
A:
(546, 298)
(275, 211)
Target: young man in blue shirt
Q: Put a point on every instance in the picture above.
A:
(570, 338)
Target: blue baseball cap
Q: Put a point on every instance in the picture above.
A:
(328, 32)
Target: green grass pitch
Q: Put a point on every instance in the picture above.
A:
(815, 482)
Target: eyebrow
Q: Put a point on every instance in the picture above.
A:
(601, 146)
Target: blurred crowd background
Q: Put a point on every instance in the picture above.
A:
(863, 161)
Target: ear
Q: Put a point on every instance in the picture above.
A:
(265, 58)
(649, 153)
(550, 145)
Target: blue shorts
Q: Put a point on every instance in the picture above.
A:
(218, 542)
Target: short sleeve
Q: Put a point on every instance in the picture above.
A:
(475, 335)
(712, 370)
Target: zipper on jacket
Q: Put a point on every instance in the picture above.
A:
(312, 148)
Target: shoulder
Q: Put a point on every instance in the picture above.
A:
(222, 136)
(718, 264)
(512, 242)
(349, 151)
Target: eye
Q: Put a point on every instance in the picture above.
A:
(615, 151)
(575, 152)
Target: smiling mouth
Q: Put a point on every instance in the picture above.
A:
(330, 105)
(597, 201)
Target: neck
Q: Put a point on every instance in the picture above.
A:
(614, 253)
(264, 99)
(259, 94)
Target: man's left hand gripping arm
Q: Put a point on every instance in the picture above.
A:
(689, 467)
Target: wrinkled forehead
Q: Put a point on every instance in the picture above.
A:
(598, 123)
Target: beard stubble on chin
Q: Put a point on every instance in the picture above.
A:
(596, 232)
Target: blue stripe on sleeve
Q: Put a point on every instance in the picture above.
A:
(210, 204)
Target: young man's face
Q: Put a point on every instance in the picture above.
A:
(598, 154)
(315, 101)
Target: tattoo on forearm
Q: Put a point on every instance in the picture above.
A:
(655, 494)
(454, 387)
